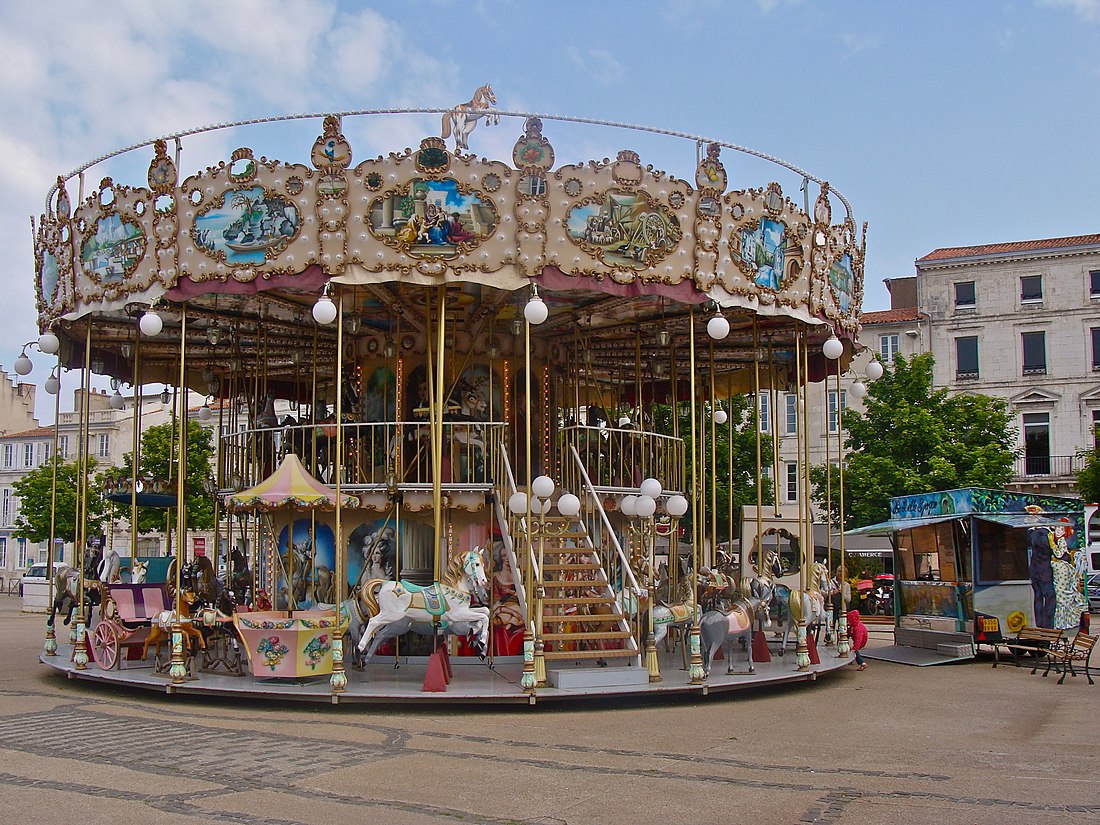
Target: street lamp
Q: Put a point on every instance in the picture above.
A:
(542, 488)
(645, 507)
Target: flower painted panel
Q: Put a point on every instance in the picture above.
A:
(113, 249)
(247, 226)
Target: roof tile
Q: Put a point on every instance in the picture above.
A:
(1015, 246)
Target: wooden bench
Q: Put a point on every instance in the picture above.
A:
(1077, 649)
(1040, 642)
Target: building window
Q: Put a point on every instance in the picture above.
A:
(22, 553)
(104, 445)
(9, 455)
(3, 553)
(1035, 353)
(888, 346)
(833, 424)
(1037, 444)
(44, 452)
(792, 413)
(966, 358)
(1031, 288)
(792, 481)
(63, 446)
(1094, 283)
(5, 508)
(964, 295)
(765, 413)
(1095, 348)
(28, 455)
(1095, 428)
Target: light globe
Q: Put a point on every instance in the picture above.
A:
(517, 503)
(324, 311)
(23, 364)
(543, 486)
(874, 370)
(49, 343)
(651, 487)
(569, 505)
(858, 389)
(676, 506)
(832, 348)
(629, 506)
(536, 311)
(150, 324)
(645, 506)
(718, 327)
(720, 417)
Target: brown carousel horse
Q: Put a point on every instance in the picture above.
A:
(464, 117)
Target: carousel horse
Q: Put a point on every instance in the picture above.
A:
(677, 617)
(138, 571)
(444, 602)
(718, 629)
(352, 611)
(67, 587)
(109, 567)
(161, 631)
(810, 605)
(462, 119)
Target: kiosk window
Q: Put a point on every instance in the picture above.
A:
(1002, 552)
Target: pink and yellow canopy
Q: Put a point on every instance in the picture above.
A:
(290, 486)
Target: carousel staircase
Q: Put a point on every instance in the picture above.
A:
(581, 618)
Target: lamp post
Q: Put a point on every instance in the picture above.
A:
(542, 489)
(645, 506)
(521, 507)
(833, 349)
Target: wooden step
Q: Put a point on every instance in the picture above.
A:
(585, 618)
(574, 583)
(588, 654)
(566, 551)
(579, 600)
(584, 565)
(591, 634)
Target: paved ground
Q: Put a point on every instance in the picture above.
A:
(894, 744)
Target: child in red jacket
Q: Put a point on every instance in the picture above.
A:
(857, 632)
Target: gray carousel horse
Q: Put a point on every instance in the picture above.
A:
(810, 605)
(718, 629)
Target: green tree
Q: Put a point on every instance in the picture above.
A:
(159, 446)
(737, 437)
(913, 439)
(35, 494)
(1088, 477)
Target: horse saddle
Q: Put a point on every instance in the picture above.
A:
(738, 619)
(680, 612)
(434, 602)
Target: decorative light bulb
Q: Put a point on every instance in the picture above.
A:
(645, 506)
(150, 324)
(536, 310)
(324, 311)
(720, 417)
(652, 487)
(874, 370)
(569, 505)
(543, 486)
(117, 401)
(629, 506)
(23, 364)
(51, 384)
(676, 506)
(858, 389)
(718, 327)
(832, 348)
(517, 503)
(49, 343)
(205, 413)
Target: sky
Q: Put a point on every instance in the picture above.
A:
(943, 122)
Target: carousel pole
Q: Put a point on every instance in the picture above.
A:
(339, 678)
(759, 449)
(802, 650)
(80, 646)
(843, 643)
(135, 447)
(530, 678)
(713, 455)
(178, 668)
(696, 673)
(49, 646)
(773, 395)
(437, 458)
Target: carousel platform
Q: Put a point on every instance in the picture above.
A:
(473, 682)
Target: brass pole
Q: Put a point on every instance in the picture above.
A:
(49, 647)
(713, 456)
(135, 455)
(529, 678)
(437, 495)
(80, 650)
(773, 395)
(178, 668)
(843, 645)
(696, 673)
(338, 679)
(759, 450)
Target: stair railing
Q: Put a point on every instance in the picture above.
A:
(505, 486)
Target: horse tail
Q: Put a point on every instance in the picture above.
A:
(746, 586)
(446, 133)
(796, 606)
(367, 595)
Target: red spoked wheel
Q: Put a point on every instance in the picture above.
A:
(105, 644)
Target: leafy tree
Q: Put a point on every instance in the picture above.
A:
(35, 493)
(1088, 477)
(913, 439)
(737, 436)
(159, 445)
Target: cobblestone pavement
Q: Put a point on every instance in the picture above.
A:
(894, 744)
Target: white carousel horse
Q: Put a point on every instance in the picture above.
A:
(718, 629)
(463, 118)
(138, 571)
(447, 601)
(109, 568)
(810, 605)
(678, 617)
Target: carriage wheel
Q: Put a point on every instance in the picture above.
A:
(105, 645)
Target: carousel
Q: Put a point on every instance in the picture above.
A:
(465, 410)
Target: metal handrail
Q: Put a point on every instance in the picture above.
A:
(506, 534)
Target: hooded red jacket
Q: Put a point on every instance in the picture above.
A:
(857, 630)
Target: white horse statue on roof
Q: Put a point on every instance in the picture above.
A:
(463, 118)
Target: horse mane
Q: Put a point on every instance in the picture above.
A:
(452, 576)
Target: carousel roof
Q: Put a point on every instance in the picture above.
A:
(290, 486)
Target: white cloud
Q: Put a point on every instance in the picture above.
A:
(598, 65)
(1086, 9)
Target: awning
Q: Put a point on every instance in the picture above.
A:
(1020, 519)
(885, 528)
(290, 486)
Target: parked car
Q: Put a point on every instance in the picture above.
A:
(36, 574)
(1092, 587)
